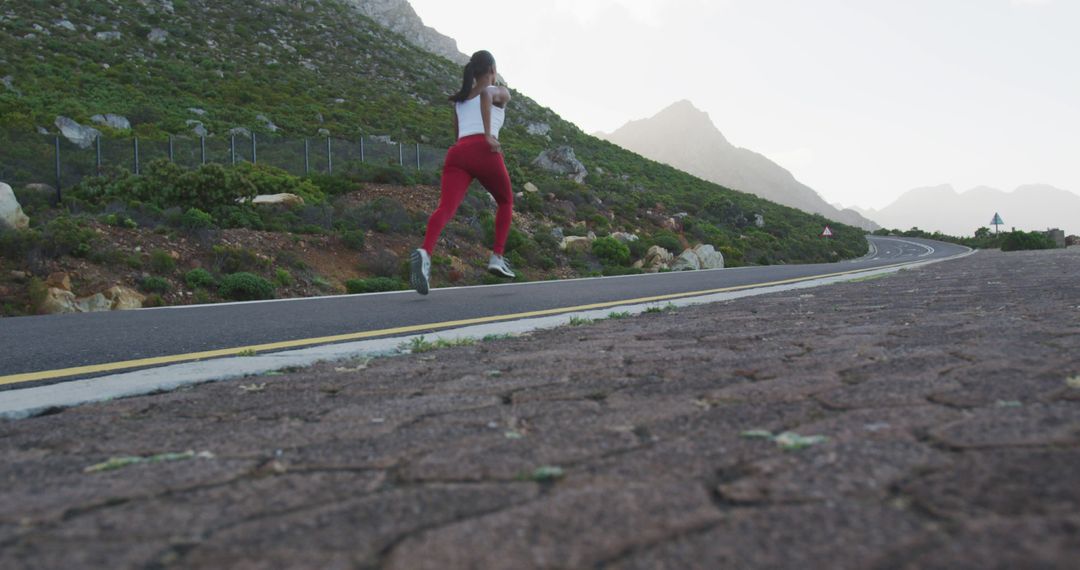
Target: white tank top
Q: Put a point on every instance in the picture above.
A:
(471, 122)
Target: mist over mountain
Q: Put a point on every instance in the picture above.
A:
(942, 208)
(686, 138)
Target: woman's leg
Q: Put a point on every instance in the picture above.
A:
(455, 183)
(496, 180)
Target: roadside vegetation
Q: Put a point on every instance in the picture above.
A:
(984, 238)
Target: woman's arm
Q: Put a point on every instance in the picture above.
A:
(457, 130)
(486, 101)
(500, 95)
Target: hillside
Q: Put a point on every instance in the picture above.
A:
(1034, 207)
(686, 138)
(310, 69)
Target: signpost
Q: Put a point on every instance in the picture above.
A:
(997, 221)
(827, 232)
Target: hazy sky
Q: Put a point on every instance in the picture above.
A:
(860, 99)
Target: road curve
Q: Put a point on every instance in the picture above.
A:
(58, 342)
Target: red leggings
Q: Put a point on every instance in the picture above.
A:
(471, 158)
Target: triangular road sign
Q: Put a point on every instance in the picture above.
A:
(827, 232)
(997, 221)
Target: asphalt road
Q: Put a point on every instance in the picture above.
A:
(34, 344)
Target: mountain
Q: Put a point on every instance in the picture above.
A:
(942, 208)
(686, 138)
(289, 70)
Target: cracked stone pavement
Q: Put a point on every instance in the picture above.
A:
(949, 396)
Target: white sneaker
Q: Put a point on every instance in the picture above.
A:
(497, 265)
(420, 270)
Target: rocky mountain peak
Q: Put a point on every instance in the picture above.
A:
(399, 17)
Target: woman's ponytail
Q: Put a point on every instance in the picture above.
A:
(479, 64)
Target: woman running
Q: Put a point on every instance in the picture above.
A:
(479, 113)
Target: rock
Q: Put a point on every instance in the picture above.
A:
(575, 243)
(288, 200)
(11, 214)
(197, 111)
(240, 132)
(557, 233)
(700, 257)
(562, 160)
(40, 188)
(57, 301)
(670, 224)
(107, 36)
(270, 126)
(624, 237)
(339, 100)
(157, 36)
(709, 257)
(96, 303)
(687, 261)
(531, 188)
(81, 136)
(123, 298)
(759, 220)
(657, 258)
(8, 82)
(66, 24)
(400, 17)
(113, 121)
(198, 129)
(538, 129)
(59, 280)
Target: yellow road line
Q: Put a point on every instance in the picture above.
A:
(274, 346)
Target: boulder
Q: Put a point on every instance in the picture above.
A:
(531, 188)
(57, 301)
(66, 24)
(41, 188)
(123, 298)
(709, 257)
(107, 36)
(11, 214)
(59, 280)
(624, 237)
(558, 233)
(657, 258)
(96, 303)
(197, 111)
(157, 36)
(687, 261)
(270, 126)
(538, 129)
(114, 121)
(81, 136)
(562, 160)
(286, 199)
(759, 220)
(575, 243)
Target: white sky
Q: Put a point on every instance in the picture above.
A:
(860, 99)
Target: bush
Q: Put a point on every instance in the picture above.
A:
(162, 262)
(1020, 240)
(199, 278)
(196, 219)
(611, 251)
(283, 277)
(668, 241)
(245, 287)
(155, 285)
(374, 285)
(66, 236)
(353, 239)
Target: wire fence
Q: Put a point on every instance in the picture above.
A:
(60, 163)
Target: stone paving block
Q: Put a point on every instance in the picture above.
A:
(1005, 544)
(1036, 424)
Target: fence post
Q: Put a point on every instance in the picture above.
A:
(170, 149)
(418, 156)
(361, 148)
(136, 141)
(58, 178)
(307, 157)
(400, 155)
(329, 158)
(202, 149)
(232, 149)
(97, 144)
(254, 152)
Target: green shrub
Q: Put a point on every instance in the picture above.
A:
(158, 285)
(1020, 240)
(196, 219)
(353, 239)
(66, 236)
(199, 278)
(283, 277)
(374, 285)
(668, 241)
(245, 287)
(161, 261)
(611, 251)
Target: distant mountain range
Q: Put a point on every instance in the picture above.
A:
(686, 138)
(942, 208)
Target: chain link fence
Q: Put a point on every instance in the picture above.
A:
(55, 161)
